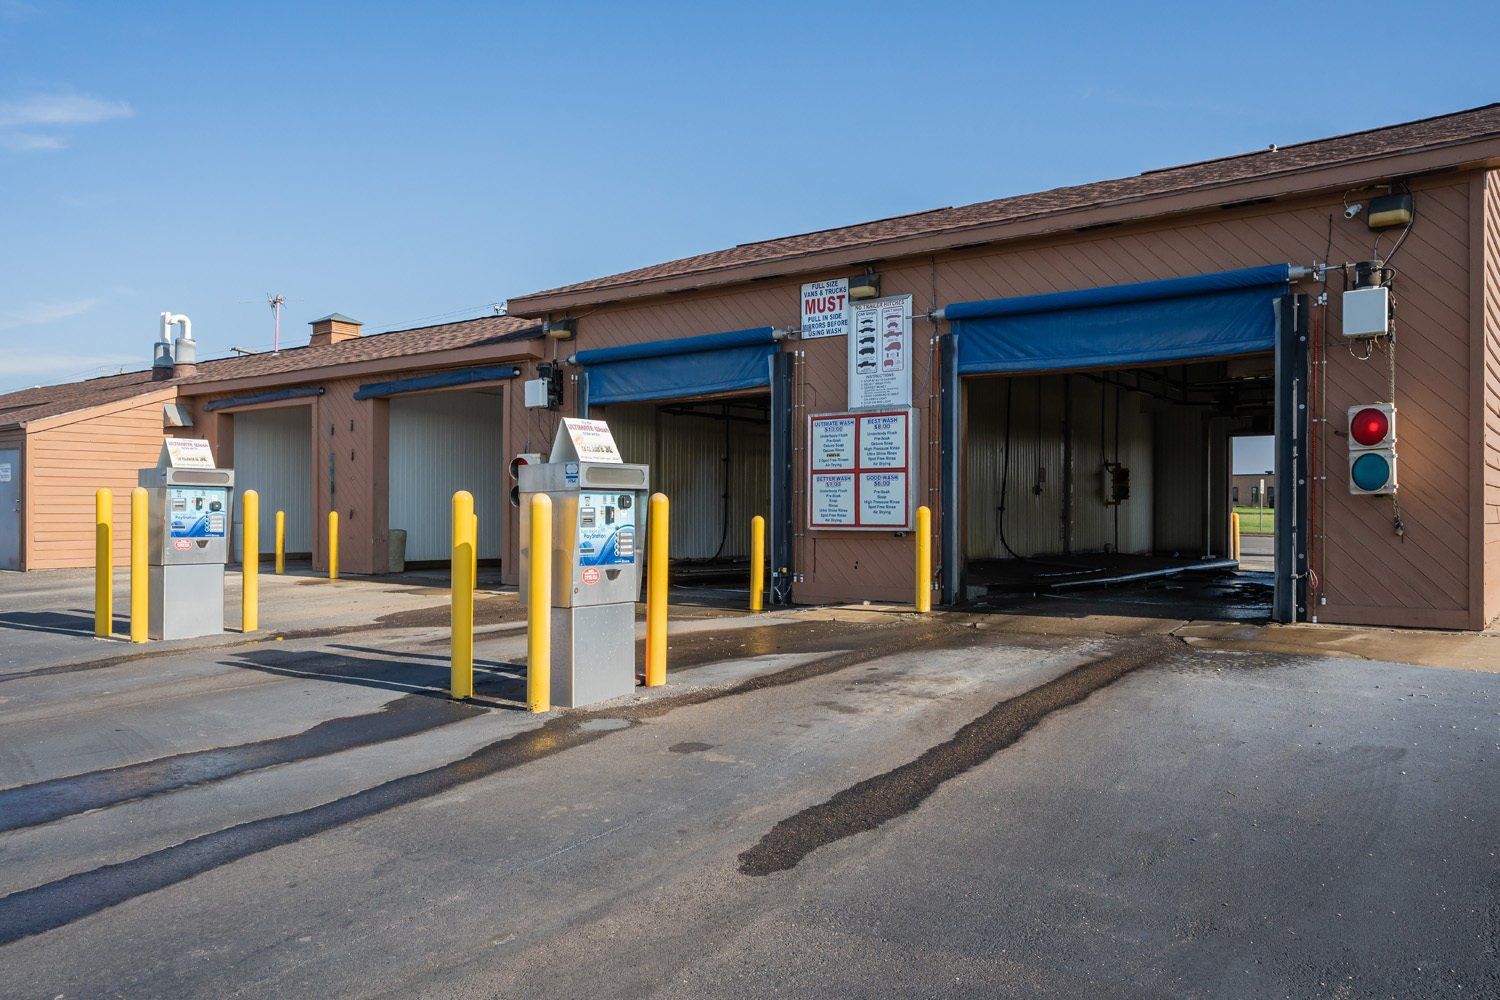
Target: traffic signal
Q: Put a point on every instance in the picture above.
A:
(1372, 449)
(525, 458)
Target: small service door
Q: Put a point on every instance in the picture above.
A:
(10, 508)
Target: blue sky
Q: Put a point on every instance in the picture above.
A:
(409, 163)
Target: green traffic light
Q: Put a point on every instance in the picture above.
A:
(1371, 472)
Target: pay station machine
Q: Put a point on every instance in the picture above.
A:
(188, 510)
(598, 534)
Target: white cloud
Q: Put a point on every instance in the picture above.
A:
(21, 117)
(41, 313)
(60, 109)
(30, 142)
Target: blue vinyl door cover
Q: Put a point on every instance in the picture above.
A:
(1152, 322)
(687, 366)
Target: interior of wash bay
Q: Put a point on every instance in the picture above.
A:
(1107, 487)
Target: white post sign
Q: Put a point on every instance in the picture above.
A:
(860, 473)
(880, 354)
(825, 309)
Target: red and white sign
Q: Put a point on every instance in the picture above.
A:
(825, 309)
(182, 544)
(590, 576)
(860, 475)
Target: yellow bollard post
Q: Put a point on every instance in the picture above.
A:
(281, 541)
(333, 545)
(140, 598)
(1234, 535)
(250, 562)
(656, 593)
(757, 561)
(104, 612)
(924, 560)
(539, 607)
(474, 549)
(461, 664)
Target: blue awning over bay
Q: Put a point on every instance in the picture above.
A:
(1152, 322)
(686, 366)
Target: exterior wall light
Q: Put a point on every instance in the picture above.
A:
(866, 286)
(561, 329)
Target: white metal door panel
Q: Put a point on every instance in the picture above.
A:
(441, 443)
(10, 508)
(273, 456)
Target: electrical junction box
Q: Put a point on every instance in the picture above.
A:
(1367, 312)
(537, 393)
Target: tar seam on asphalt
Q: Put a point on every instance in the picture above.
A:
(60, 902)
(46, 801)
(876, 800)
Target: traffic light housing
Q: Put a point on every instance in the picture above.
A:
(525, 458)
(1372, 449)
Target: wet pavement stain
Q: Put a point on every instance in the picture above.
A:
(47, 801)
(63, 901)
(877, 800)
(690, 746)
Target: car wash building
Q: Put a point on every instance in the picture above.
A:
(1060, 377)
(380, 428)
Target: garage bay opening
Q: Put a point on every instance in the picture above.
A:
(712, 457)
(1113, 486)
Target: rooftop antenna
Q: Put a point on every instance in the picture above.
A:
(277, 301)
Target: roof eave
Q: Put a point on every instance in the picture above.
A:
(518, 350)
(1460, 154)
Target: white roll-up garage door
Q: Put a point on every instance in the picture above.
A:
(443, 442)
(273, 456)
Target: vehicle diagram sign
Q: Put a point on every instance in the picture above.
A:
(880, 354)
(825, 309)
(861, 475)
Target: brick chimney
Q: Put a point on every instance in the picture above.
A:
(334, 328)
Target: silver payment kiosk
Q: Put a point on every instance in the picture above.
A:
(598, 537)
(188, 515)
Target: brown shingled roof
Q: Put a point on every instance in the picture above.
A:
(26, 405)
(1462, 126)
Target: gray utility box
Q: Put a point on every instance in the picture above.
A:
(189, 512)
(598, 537)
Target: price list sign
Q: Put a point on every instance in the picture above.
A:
(860, 476)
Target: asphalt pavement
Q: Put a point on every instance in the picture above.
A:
(826, 802)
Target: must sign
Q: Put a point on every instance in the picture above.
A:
(825, 309)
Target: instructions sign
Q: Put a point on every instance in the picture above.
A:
(585, 441)
(860, 474)
(825, 309)
(880, 354)
(185, 453)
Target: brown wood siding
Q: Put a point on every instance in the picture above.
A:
(1369, 574)
(67, 464)
(1487, 261)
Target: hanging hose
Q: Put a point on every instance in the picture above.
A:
(1010, 391)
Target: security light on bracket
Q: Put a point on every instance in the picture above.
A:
(561, 329)
(866, 286)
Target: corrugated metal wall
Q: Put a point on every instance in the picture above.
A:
(273, 456)
(1034, 501)
(1181, 477)
(443, 442)
(688, 465)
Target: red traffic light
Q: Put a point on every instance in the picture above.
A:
(1369, 426)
